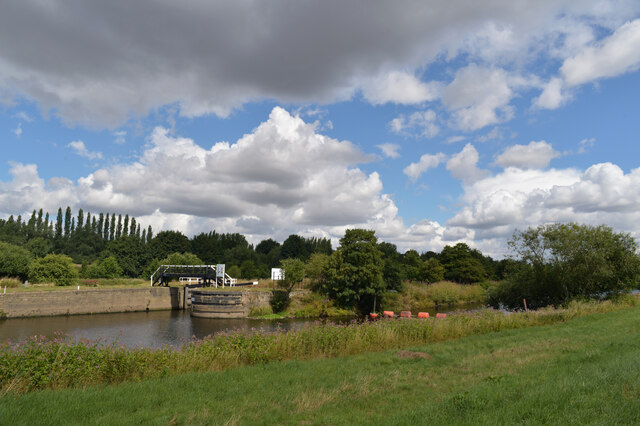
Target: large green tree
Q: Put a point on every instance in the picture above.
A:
(560, 262)
(354, 273)
(14, 261)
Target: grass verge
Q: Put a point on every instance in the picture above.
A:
(583, 371)
(39, 363)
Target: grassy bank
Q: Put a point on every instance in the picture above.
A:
(40, 364)
(308, 305)
(417, 297)
(15, 285)
(583, 371)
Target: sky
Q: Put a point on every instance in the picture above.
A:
(430, 122)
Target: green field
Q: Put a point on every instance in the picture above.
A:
(585, 371)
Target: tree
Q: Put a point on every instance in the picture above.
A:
(411, 261)
(314, 269)
(293, 274)
(167, 242)
(392, 269)
(67, 222)
(131, 255)
(14, 261)
(353, 276)
(431, 271)
(55, 268)
(560, 262)
(461, 265)
(294, 247)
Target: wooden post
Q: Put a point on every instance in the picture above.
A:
(525, 305)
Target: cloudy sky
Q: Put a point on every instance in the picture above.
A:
(431, 122)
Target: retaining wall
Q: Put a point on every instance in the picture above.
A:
(97, 301)
(90, 301)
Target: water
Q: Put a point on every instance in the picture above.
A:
(148, 329)
(135, 329)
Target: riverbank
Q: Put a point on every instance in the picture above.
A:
(39, 364)
(582, 369)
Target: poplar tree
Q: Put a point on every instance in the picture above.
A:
(125, 226)
(80, 221)
(119, 228)
(67, 222)
(101, 225)
(149, 234)
(58, 230)
(132, 231)
(112, 231)
(39, 223)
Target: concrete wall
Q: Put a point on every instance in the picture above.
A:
(96, 301)
(90, 301)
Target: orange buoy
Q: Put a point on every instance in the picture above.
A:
(441, 315)
(423, 314)
(405, 314)
(373, 316)
(388, 314)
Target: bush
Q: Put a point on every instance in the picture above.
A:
(10, 282)
(55, 268)
(562, 262)
(14, 261)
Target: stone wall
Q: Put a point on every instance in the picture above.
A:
(96, 301)
(90, 301)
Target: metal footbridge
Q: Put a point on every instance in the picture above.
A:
(195, 275)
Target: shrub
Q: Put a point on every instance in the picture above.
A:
(56, 268)
(10, 282)
(561, 262)
(14, 261)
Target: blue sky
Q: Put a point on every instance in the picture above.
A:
(431, 123)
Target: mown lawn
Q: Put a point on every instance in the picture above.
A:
(585, 371)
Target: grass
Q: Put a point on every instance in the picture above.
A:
(417, 297)
(83, 283)
(39, 363)
(585, 371)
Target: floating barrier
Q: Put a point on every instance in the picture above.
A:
(388, 314)
(373, 316)
(423, 314)
(405, 314)
(441, 315)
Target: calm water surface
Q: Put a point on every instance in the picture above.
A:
(150, 329)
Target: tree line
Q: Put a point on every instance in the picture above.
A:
(111, 244)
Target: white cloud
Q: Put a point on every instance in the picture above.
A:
(390, 150)
(426, 162)
(81, 150)
(553, 95)
(21, 115)
(478, 97)
(401, 88)
(534, 155)
(18, 130)
(421, 123)
(464, 165)
(585, 144)
(615, 55)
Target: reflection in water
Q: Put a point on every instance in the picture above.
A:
(150, 329)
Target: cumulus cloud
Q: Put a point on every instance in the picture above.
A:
(79, 148)
(390, 150)
(534, 155)
(478, 97)
(422, 123)
(553, 95)
(464, 165)
(426, 162)
(401, 88)
(615, 55)
(100, 64)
